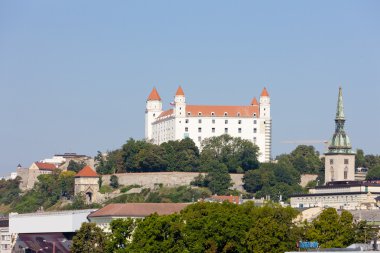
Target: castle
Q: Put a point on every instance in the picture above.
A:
(198, 122)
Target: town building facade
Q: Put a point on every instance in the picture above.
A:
(250, 122)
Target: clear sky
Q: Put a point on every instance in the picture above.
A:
(75, 75)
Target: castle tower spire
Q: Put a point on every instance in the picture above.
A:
(154, 95)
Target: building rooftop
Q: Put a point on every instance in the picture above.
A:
(87, 171)
(154, 95)
(45, 166)
(138, 209)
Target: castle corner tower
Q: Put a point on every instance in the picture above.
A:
(339, 159)
(152, 111)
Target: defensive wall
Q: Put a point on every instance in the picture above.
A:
(169, 179)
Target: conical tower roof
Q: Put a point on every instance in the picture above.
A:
(264, 93)
(180, 91)
(254, 101)
(154, 95)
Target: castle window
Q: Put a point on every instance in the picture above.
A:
(255, 122)
(254, 140)
(255, 130)
(186, 129)
(239, 130)
(199, 114)
(199, 130)
(345, 161)
(213, 114)
(239, 121)
(226, 130)
(199, 138)
(226, 121)
(225, 114)
(345, 173)
(199, 121)
(331, 161)
(186, 120)
(213, 121)
(213, 129)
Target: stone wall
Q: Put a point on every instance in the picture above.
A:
(169, 179)
(306, 178)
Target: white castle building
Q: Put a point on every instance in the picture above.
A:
(251, 122)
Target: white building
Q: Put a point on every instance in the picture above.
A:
(5, 236)
(251, 122)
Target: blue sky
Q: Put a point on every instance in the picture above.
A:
(74, 75)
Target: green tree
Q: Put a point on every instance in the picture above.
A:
(114, 181)
(218, 180)
(158, 234)
(89, 239)
(255, 180)
(121, 234)
(360, 159)
(75, 166)
(374, 173)
(182, 155)
(9, 190)
(67, 180)
(306, 159)
(332, 230)
(235, 153)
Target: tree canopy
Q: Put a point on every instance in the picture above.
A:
(236, 154)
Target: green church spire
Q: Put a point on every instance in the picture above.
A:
(340, 142)
(340, 108)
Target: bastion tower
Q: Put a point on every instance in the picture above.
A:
(340, 159)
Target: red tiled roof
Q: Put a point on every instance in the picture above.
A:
(231, 199)
(254, 101)
(220, 110)
(180, 92)
(166, 113)
(264, 93)
(138, 209)
(45, 166)
(87, 172)
(154, 95)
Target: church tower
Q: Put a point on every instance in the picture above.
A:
(340, 159)
(179, 103)
(152, 111)
(266, 123)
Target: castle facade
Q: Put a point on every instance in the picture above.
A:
(250, 122)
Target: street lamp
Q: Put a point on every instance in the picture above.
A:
(52, 242)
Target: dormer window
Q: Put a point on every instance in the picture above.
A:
(189, 113)
(254, 115)
(213, 114)
(238, 114)
(225, 114)
(199, 114)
